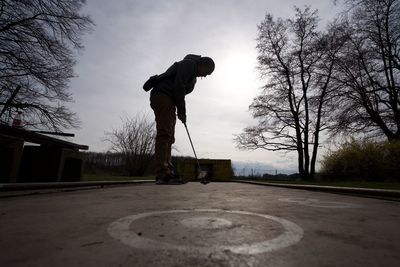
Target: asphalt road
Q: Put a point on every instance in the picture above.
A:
(221, 224)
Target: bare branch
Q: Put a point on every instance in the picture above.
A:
(135, 140)
(38, 40)
(292, 108)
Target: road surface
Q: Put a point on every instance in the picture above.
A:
(220, 224)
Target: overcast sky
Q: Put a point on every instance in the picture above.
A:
(135, 39)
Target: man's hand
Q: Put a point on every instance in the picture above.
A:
(182, 117)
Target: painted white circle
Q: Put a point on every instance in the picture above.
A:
(120, 230)
(312, 202)
(206, 223)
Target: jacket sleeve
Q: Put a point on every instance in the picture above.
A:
(185, 73)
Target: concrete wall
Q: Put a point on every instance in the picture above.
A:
(217, 169)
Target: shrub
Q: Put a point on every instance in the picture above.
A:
(392, 160)
(363, 160)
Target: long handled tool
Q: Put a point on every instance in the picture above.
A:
(202, 175)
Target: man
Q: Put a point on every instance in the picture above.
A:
(167, 98)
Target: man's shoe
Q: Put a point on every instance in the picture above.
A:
(162, 179)
(177, 180)
(170, 179)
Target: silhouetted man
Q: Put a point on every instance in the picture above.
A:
(168, 98)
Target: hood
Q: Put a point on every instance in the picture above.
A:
(193, 57)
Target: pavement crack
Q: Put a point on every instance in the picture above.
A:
(92, 244)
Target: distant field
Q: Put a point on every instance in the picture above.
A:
(375, 185)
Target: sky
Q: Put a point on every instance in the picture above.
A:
(135, 39)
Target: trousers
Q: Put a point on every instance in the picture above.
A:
(165, 115)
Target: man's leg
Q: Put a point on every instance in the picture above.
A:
(172, 141)
(164, 111)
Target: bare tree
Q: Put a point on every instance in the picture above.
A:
(38, 39)
(298, 62)
(135, 141)
(370, 70)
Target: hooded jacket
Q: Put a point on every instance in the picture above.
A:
(179, 81)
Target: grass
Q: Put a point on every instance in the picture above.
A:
(94, 177)
(359, 184)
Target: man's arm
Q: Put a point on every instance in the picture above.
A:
(185, 72)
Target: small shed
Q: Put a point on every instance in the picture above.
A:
(217, 169)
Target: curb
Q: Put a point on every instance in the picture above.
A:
(57, 185)
(332, 189)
